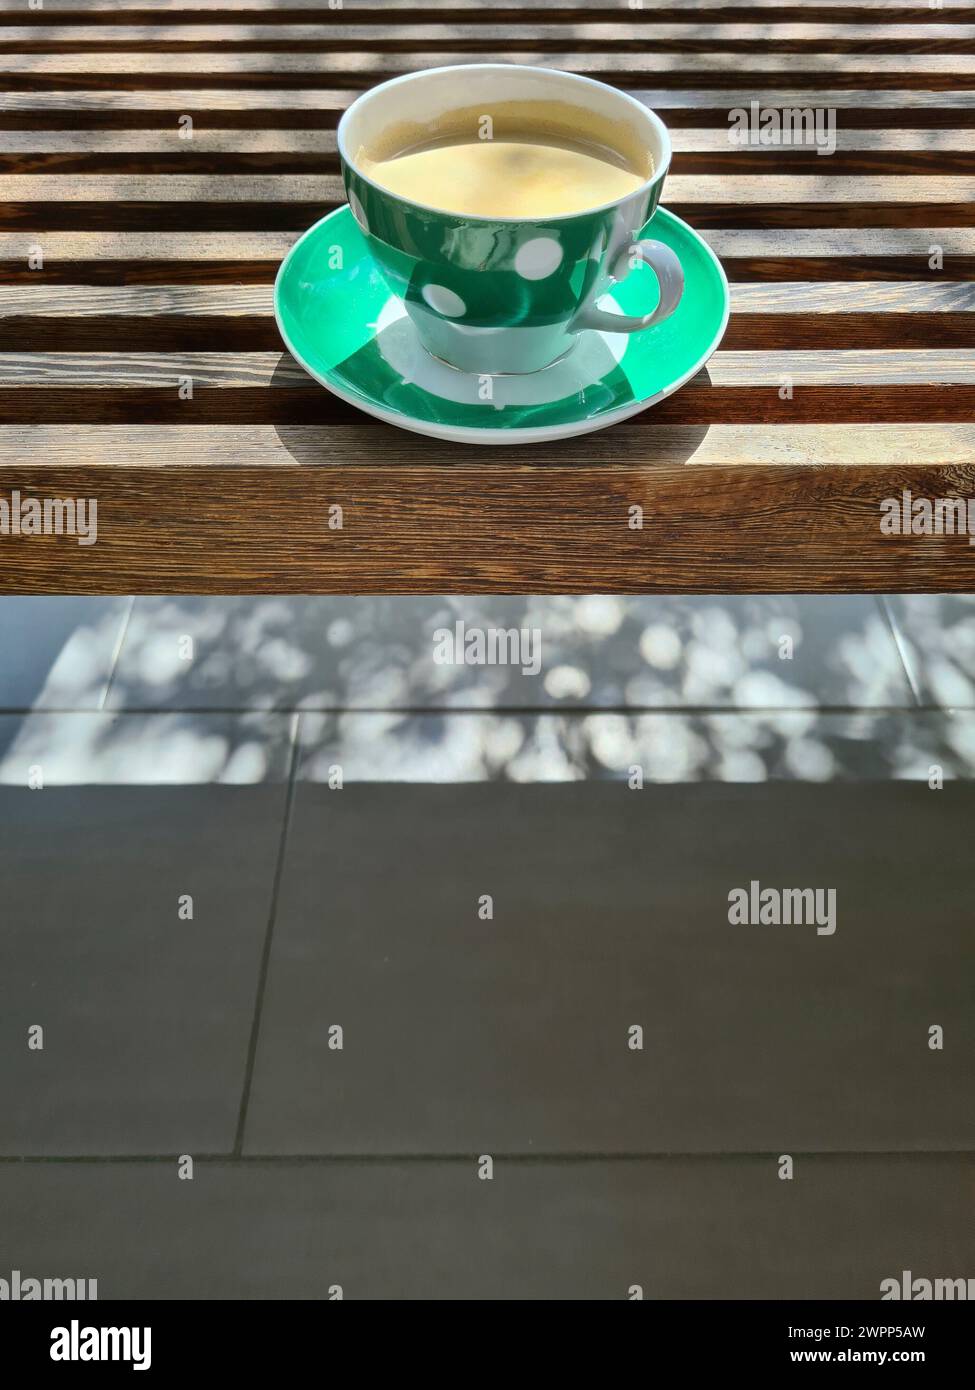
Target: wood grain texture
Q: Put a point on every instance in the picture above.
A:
(327, 189)
(744, 388)
(252, 257)
(945, 71)
(628, 30)
(244, 246)
(853, 280)
(268, 202)
(695, 140)
(696, 150)
(425, 529)
(835, 10)
(321, 106)
(798, 298)
(108, 448)
(192, 318)
(278, 371)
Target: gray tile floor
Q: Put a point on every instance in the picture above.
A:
(712, 1227)
(146, 1011)
(246, 847)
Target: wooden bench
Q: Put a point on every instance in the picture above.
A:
(134, 260)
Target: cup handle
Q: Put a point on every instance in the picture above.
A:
(670, 276)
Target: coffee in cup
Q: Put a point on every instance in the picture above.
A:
(522, 175)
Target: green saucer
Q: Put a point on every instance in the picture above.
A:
(339, 320)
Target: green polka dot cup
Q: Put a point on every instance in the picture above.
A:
(509, 295)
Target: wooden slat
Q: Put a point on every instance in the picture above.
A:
(107, 371)
(105, 448)
(914, 68)
(292, 100)
(710, 140)
(860, 254)
(155, 258)
(716, 190)
(123, 8)
(115, 371)
(695, 140)
(197, 158)
(324, 188)
(470, 526)
(696, 150)
(854, 102)
(795, 298)
(252, 257)
(187, 318)
(260, 202)
(194, 247)
(651, 30)
(200, 247)
(211, 300)
(700, 404)
(823, 298)
(251, 141)
(853, 241)
(836, 368)
(190, 332)
(737, 388)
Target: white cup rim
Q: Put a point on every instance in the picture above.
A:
(577, 78)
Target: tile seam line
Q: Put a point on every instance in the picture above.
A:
(265, 961)
(117, 652)
(893, 627)
(454, 1156)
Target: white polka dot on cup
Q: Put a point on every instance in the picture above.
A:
(538, 258)
(443, 301)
